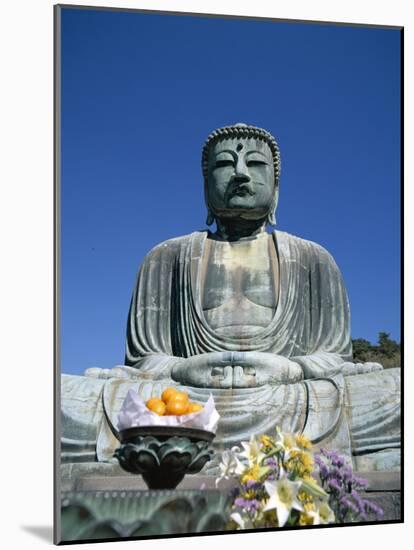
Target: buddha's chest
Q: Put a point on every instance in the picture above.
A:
(239, 285)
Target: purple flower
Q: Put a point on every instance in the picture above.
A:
(359, 501)
(347, 474)
(254, 505)
(332, 456)
(336, 473)
(323, 468)
(323, 471)
(271, 462)
(248, 505)
(234, 492)
(347, 503)
(334, 484)
(359, 482)
(338, 460)
(378, 511)
(342, 486)
(251, 484)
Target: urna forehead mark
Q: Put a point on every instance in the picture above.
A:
(240, 144)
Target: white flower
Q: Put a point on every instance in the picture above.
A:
(323, 514)
(242, 522)
(252, 451)
(230, 465)
(283, 498)
(285, 442)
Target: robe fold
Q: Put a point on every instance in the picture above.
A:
(311, 326)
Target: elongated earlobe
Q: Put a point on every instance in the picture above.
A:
(210, 217)
(271, 218)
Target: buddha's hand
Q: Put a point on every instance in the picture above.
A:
(236, 370)
(350, 369)
(267, 368)
(209, 370)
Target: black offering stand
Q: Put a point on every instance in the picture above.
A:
(163, 455)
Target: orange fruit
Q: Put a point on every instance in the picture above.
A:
(194, 408)
(180, 396)
(167, 393)
(156, 405)
(176, 407)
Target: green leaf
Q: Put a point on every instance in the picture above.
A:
(263, 472)
(313, 489)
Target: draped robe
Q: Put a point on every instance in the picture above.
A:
(311, 326)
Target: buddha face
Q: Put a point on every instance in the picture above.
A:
(241, 179)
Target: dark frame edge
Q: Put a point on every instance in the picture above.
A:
(227, 16)
(237, 533)
(57, 10)
(402, 144)
(56, 271)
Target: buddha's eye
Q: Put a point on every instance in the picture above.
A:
(256, 162)
(224, 162)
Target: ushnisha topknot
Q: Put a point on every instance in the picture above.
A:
(241, 130)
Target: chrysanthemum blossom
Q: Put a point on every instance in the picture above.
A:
(303, 441)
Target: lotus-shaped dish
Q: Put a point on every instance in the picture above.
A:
(163, 455)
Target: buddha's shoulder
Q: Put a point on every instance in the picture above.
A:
(173, 246)
(301, 245)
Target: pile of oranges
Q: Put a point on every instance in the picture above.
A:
(172, 403)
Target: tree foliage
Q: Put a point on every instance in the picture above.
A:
(386, 351)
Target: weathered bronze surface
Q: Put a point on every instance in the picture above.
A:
(93, 515)
(257, 317)
(163, 455)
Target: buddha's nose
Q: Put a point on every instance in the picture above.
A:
(241, 172)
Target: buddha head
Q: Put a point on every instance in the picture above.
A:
(241, 168)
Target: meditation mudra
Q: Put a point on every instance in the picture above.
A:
(260, 320)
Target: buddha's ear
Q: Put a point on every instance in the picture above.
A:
(210, 217)
(271, 216)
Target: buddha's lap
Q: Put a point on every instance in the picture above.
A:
(372, 402)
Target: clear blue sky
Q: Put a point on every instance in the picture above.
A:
(141, 92)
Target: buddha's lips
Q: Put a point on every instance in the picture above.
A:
(242, 190)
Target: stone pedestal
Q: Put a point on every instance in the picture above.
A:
(114, 514)
(385, 490)
(110, 503)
